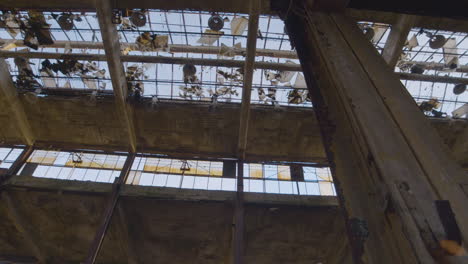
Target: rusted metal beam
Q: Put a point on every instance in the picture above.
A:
(109, 210)
(396, 40)
(111, 44)
(11, 102)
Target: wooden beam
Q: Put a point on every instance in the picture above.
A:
(109, 210)
(24, 227)
(9, 94)
(213, 62)
(397, 39)
(111, 44)
(248, 78)
(361, 107)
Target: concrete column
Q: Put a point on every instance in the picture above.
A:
(390, 168)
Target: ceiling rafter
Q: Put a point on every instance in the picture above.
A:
(119, 82)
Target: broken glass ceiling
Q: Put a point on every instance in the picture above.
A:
(187, 35)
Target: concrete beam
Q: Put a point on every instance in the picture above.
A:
(248, 69)
(111, 44)
(396, 40)
(241, 6)
(9, 98)
(173, 48)
(169, 194)
(154, 59)
(427, 22)
(365, 113)
(210, 62)
(436, 66)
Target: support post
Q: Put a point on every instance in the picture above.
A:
(109, 210)
(397, 39)
(238, 240)
(9, 98)
(239, 216)
(248, 77)
(110, 38)
(387, 180)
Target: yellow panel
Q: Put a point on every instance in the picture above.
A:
(216, 172)
(284, 173)
(256, 170)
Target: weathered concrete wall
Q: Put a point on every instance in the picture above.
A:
(190, 129)
(63, 216)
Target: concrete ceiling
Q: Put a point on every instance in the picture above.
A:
(191, 227)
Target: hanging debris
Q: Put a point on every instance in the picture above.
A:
(26, 77)
(461, 111)
(298, 96)
(66, 20)
(224, 91)
(412, 42)
(189, 71)
(233, 78)
(138, 18)
(459, 88)
(10, 21)
(451, 53)
(191, 91)
(89, 72)
(229, 51)
(427, 106)
(300, 82)
(269, 97)
(152, 42)
(135, 76)
(215, 22)
(436, 41)
(209, 37)
(36, 30)
(239, 25)
(417, 69)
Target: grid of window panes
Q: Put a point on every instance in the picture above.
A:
(80, 166)
(174, 173)
(187, 174)
(263, 178)
(8, 156)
